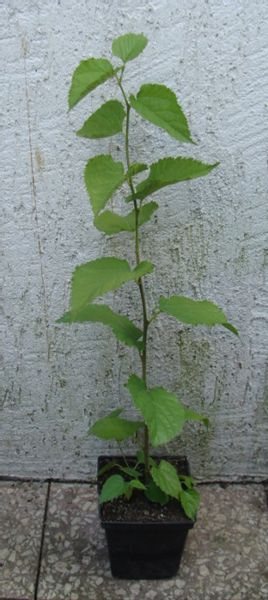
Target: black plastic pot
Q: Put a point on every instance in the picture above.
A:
(145, 550)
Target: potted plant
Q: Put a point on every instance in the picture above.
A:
(147, 503)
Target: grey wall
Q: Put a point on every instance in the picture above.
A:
(209, 239)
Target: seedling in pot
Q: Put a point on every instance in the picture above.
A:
(162, 415)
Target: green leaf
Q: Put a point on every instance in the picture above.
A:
(100, 276)
(111, 222)
(102, 178)
(113, 427)
(106, 121)
(168, 171)
(122, 327)
(129, 46)
(231, 328)
(135, 386)
(141, 459)
(187, 481)
(146, 211)
(131, 472)
(87, 76)
(166, 477)
(158, 104)
(136, 168)
(195, 312)
(190, 500)
(191, 415)
(113, 487)
(136, 484)
(161, 410)
(154, 494)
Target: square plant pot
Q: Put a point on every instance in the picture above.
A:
(146, 547)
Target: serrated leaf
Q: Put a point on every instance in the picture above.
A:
(162, 412)
(103, 176)
(112, 223)
(136, 168)
(122, 327)
(190, 500)
(87, 76)
(113, 487)
(169, 171)
(113, 427)
(97, 277)
(194, 312)
(158, 104)
(129, 46)
(166, 477)
(105, 122)
(154, 494)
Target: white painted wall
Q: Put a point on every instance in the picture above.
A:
(210, 239)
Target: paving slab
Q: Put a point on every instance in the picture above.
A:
(22, 506)
(225, 556)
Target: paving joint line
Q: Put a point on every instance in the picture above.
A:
(40, 557)
(240, 480)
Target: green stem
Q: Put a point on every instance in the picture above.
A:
(143, 354)
(122, 452)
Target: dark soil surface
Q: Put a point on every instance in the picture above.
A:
(139, 508)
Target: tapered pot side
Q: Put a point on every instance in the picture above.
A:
(144, 547)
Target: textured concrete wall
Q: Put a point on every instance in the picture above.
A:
(209, 238)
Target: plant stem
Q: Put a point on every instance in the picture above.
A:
(122, 452)
(143, 353)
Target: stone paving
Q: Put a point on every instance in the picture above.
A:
(53, 548)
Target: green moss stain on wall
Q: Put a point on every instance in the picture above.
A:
(194, 355)
(196, 365)
(189, 249)
(241, 261)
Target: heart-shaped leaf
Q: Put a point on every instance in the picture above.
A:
(106, 121)
(103, 176)
(162, 411)
(87, 76)
(154, 494)
(129, 46)
(113, 487)
(158, 104)
(190, 500)
(168, 171)
(194, 312)
(166, 477)
(97, 277)
(122, 327)
(113, 427)
(111, 222)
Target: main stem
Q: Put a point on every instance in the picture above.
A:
(143, 353)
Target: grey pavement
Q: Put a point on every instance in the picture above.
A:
(53, 548)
